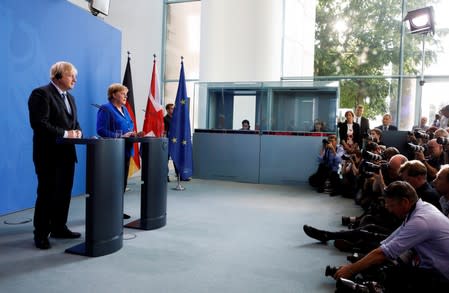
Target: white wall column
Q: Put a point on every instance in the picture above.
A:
(241, 40)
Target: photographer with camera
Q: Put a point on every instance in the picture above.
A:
(415, 173)
(434, 160)
(441, 184)
(329, 159)
(375, 135)
(425, 230)
(350, 171)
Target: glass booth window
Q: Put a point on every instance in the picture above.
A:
(273, 109)
(303, 111)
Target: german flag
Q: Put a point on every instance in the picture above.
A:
(128, 82)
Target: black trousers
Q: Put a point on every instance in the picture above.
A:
(54, 189)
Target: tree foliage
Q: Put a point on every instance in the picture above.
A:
(363, 38)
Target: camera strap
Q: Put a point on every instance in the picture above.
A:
(412, 209)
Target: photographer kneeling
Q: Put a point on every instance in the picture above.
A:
(425, 230)
(330, 159)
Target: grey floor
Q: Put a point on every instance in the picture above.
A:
(220, 237)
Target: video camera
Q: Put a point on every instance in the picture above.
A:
(417, 148)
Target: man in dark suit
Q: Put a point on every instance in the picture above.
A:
(386, 124)
(53, 115)
(167, 122)
(361, 121)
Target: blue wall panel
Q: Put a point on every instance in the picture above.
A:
(34, 35)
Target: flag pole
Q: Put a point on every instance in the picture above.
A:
(179, 187)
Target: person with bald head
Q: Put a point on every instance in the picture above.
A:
(394, 164)
(422, 124)
(435, 159)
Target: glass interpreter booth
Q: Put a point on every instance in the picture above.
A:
(287, 123)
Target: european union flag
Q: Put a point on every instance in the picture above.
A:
(180, 141)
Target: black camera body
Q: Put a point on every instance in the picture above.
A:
(345, 220)
(442, 140)
(346, 157)
(330, 271)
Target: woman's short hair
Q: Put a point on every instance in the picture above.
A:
(115, 87)
(349, 112)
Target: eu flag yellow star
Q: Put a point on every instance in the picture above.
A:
(183, 101)
(174, 140)
(184, 142)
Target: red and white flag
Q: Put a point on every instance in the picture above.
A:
(153, 124)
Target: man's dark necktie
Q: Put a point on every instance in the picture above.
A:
(66, 101)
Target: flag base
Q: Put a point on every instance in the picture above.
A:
(179, 187)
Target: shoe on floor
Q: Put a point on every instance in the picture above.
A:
(315, 233)
(65, 234)
(42, 243)
(344, 245)
(126, 216)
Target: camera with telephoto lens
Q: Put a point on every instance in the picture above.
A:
(367, 155)
(325, 141)
(422, 134)
(345, 220)
(345, 285)
(346, 157)
(443, 140)
(330, 271)
(417, 148)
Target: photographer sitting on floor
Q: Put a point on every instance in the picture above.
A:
(330, 159)
(425, 231)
